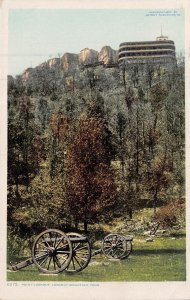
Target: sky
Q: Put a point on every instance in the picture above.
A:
(36, 35)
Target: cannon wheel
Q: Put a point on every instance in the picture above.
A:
(114, 246)
(81, 253)
(52, 251)
(129, 249)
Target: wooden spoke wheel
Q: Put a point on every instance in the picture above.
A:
(114, 246)
(129, 249)
(81, 253)
(52, 251)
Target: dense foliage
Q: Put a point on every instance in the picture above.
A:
(105, 143)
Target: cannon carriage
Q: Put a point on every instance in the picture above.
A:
(54, 251)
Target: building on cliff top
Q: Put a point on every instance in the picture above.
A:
(160, 51)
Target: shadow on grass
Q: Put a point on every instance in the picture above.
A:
(158, 251)
(178, 235)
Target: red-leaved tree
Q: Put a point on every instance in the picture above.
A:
(91, 190)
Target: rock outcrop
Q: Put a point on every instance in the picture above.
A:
(26, 75)
(108, 56)
(53, 62)
(69, 61)
(88, 56)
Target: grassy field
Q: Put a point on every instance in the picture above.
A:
(161, 260)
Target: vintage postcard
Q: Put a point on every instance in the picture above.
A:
(94, 150)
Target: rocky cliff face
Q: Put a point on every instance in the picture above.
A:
(108, 56)
(69, 61)
(26, 75)
(53, 62)
(72, 61)
(88, 56)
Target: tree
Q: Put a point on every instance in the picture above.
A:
(158, 96)
(158, 178)
(59, 125)
(25, 150)
(43, 205)
(150, 72)
(43, 112)
(91, 190)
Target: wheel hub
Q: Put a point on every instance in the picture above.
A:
(51, 251)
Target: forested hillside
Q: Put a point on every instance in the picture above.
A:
(92, 143)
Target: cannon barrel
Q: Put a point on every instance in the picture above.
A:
(21, 265)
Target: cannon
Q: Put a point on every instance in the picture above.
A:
(54, 251)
